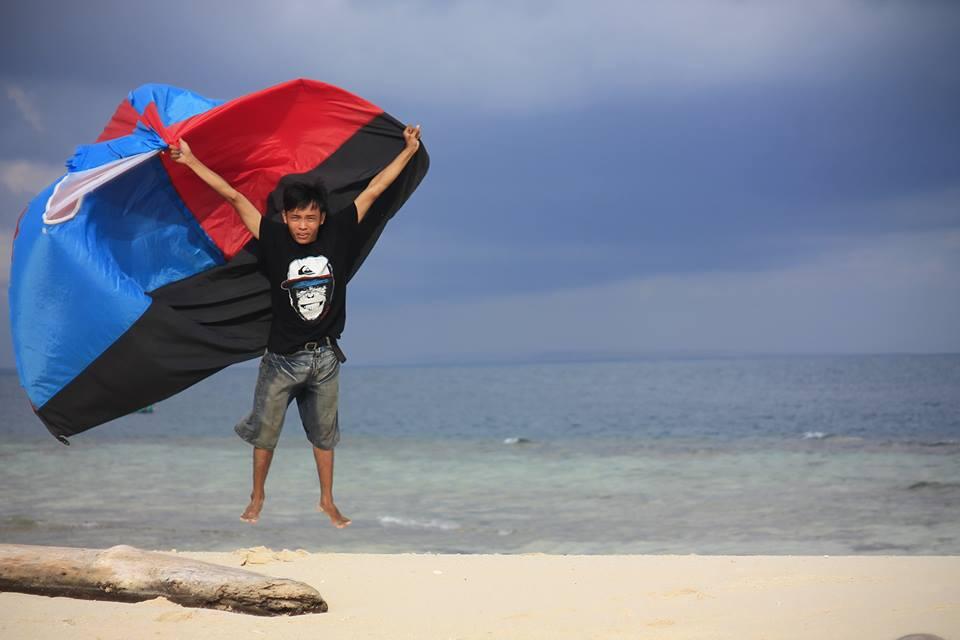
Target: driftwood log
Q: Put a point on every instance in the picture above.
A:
(126, 574)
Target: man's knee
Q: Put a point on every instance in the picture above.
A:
(325, 439)
(258, 436)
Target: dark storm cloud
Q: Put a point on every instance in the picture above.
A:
(570, 147)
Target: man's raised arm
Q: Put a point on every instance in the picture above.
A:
(386, 177)
(248, 213)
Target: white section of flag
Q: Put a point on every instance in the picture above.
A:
(67, 196)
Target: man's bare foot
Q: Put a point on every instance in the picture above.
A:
(339, 521)
(252, 514)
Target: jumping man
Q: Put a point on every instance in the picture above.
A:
(305, 259)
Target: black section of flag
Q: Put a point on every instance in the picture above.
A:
(191, 330)
(348, 171)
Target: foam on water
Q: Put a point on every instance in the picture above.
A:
(417, 524)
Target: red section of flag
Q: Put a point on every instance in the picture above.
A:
(123, 122)
(254, 141)
(151, 118)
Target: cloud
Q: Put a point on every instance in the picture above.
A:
(892, 293)
(908, 211)
(6, 340)
(26, 107)
(25, 177)
(501, 56)
(511, 56)
(441, 260)
(6, 253)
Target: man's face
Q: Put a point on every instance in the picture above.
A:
(304, 223)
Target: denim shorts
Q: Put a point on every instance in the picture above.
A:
(313, 378)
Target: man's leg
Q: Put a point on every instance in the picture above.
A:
(276, 385)
(324, 460)
(261, 466)
(318, 403)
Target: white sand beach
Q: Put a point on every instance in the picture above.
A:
(427, 596)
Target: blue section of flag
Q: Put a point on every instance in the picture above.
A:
(174, 104)
(88, 156)
(76, 287)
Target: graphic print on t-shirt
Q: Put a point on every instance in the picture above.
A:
(310, 285)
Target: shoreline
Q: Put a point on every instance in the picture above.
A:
(536, 595)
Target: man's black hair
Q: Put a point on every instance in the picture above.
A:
(299, 195)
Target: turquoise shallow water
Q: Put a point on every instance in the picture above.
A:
(793, 455)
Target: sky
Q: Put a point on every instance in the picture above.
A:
(607, 180)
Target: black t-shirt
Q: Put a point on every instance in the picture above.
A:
(308, 282)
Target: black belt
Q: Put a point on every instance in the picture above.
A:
(323, 342)
(326, 341)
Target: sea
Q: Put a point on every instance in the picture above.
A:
(773, 455)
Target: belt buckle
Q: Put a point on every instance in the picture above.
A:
(312, 346)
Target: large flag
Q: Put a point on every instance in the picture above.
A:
(131, 279)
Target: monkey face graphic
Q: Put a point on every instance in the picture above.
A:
(310, 285)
